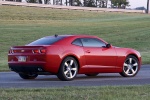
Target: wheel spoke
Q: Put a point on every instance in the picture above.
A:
(70, 74)
(74, 69)
(71, 62)
(127, 72)
(135, 64)
(130, 60)
(132, 71)
(125, 64)
(66, 72)
(66, 64)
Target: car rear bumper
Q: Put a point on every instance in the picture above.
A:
(27, 67)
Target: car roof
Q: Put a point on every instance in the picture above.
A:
(77, 36)
(69, 38)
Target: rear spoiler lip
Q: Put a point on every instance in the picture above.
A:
(26, 46)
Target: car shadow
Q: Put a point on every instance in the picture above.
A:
(78, 78)
(96, 77)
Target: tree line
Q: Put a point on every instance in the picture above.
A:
(121, 4)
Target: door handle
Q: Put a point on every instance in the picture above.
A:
(88, 51)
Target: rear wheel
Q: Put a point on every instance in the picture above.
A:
(28, 76)
(68, 69)
(130, 67)
(93, 74)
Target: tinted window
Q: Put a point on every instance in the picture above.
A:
(92, 42)
(47, 40)
(77, 42)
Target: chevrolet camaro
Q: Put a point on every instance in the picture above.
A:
(69, 55)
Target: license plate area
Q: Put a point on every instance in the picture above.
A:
(22, 58)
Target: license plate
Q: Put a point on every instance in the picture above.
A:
(22, 58)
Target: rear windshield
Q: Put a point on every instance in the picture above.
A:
(47, 40)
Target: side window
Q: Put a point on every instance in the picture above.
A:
(77, 42)
(92, 42)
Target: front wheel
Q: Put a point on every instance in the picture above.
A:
(130, 67)
(68, 69)
(28, 76)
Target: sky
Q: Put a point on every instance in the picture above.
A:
(137, 3)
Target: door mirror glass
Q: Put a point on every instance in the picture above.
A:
(108, 45)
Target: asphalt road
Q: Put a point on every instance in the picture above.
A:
(12, 80)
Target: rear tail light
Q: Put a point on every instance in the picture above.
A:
(39, 51)
(43, 51)
(36, 51)
(12, 51)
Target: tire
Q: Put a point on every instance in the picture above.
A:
(68, 69)
(28, 76)
(130, 66)
(94, 74)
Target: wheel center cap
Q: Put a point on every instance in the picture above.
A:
(68, 68)
(130, 66)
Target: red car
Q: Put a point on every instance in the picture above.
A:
(69, 55)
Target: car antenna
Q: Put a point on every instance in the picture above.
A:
(56, 35)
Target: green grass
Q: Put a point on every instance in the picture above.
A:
(78, 93)
(21, 25)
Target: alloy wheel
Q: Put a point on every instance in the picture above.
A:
(68, 69)
(130, 67)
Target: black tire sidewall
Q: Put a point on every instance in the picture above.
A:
(26, 76)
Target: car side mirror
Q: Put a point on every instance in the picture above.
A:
(108, 45)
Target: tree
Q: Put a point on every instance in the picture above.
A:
(77, 3)
(119, 3)
(31, 1)
(42, 1)
(101, 3)
(89, 3)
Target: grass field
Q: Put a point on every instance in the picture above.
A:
(78, 93)
(21, 25)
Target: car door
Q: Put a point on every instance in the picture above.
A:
(98, 57)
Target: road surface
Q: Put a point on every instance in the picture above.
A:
(12, 80)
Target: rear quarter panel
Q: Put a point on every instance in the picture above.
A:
(56, 54)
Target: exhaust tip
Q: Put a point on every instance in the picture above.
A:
(40, 69)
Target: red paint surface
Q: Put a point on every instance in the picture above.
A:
(90, 59)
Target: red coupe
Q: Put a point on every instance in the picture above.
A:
(69, 55)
